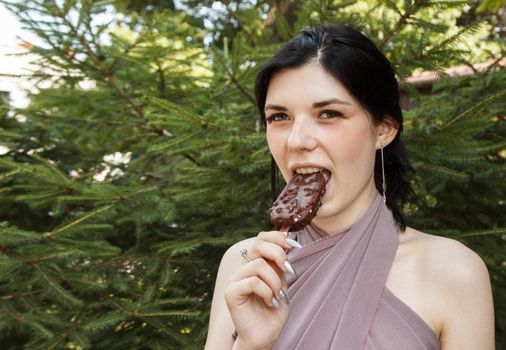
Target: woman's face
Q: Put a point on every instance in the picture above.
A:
(313, 121)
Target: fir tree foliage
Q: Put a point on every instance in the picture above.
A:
(142, 157)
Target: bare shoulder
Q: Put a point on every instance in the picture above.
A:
(460, 290)
(447, 259)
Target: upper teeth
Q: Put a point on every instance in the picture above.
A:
(307, 170)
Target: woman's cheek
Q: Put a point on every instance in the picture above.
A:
(276, 144)
(348, 144)
(355, 150)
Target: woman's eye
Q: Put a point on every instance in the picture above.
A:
(331, 114)
(276, 117)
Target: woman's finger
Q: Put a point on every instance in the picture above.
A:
(276, 237)
(240, 291)
(263, 270)
(272, 252)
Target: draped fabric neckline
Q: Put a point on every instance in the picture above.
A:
(339, 299)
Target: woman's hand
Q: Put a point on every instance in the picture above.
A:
(254, 294)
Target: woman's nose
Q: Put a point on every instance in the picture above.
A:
(302, 137)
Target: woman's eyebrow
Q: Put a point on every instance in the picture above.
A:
(315, 104)
(275, 107)
(328, 102)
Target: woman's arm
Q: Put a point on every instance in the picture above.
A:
(464, 285)
(248, 293)
(221, 327)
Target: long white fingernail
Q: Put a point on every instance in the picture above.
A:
(289, 268)
(293, 243)
(275, 303)
(284, 296)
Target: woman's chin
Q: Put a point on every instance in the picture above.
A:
(323, 214)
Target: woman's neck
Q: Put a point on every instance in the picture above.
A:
(348, 216)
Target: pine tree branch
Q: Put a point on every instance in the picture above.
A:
(106, 73)
(55, 344)
(440, 46)
(57, 288)
(21, 294)
(234, 80)
(161, 77)
(13, 316)
(30, 23)
(240, 27)
(173, 142)
(158, 176)
(87, 24)
(9, 173)
(191, 159)
(127, 50)
(98, 59)
(494, 232)
(51, 234)
(108, 77)
(53, 168)
(495, 63)
(403, 20)
(164, 313)
(118, 306)
(471, 109)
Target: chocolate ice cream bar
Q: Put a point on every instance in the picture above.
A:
(299, 201)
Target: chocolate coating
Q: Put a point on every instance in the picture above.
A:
(299, 201)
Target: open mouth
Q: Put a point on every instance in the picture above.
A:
(308, 171)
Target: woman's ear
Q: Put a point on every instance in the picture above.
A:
(386, 132)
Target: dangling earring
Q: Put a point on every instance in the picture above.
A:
(384, 182)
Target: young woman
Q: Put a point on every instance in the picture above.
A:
(356, 277)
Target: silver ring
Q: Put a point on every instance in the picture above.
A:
(244, 254)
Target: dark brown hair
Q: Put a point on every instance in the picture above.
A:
(361, 67)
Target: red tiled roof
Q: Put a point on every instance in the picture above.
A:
(428, 77)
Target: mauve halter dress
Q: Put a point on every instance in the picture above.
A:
(339, 300)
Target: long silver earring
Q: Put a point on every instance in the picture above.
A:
(384, 182)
